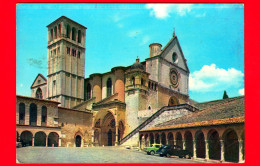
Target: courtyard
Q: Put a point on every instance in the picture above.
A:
(93, 155)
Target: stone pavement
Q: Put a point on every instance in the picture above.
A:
(92, 155)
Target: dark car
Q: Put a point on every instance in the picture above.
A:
(173, 150)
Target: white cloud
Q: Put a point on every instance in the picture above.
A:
(200, 15)
(134, 33)
(162, 11)
(241, 91)
(211, 78)
(21, 85)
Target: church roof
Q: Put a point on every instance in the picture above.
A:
(213, 112)
(39, 75)
(64, 17)
(137, 65)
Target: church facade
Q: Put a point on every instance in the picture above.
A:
(120, 107)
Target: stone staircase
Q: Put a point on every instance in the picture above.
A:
(154, 116)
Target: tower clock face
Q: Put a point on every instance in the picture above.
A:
(174, 78)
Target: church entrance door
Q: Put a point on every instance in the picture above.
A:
(109, 138)
(78, 141)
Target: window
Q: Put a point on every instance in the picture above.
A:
(68, 31)
(142, 81)
(68, 50)
(58, 50)
(33, 114)
(21, 113)
(39, 93)
(54, 82)
(174, 57)
(88, 96)
(59, 28)
(54, 52)
(149, 108)
(39, 81)
(44, 115)
(74, 52)
(79, 36)
(79, 54)
(51, 34)
(109, 87)
(133, 80)
(55, 32)
(73, 34)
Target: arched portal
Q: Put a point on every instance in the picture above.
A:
(170, 139)
(179, 140)
(157, 138)
(109, 138)
(78, 141)
(26, 138)
(40, 139)
(231, 146)
(214, 145)
(200, 145)
(39, 93)
(188, 142)
(151, 139)
(108, 130)
(163, 139)
(53, 139)
(173, 101)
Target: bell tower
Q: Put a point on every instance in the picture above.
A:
(136, 93)
(66, 62)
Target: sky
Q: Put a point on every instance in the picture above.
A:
(211, 37)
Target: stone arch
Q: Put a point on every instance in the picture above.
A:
(38, 93)
(44, 116)
(188, 141)
(33, 114)
(178, 138)
(200, 144)
(170, 138)
(173, 101)
(40, 139)
(68, 31)
(163, 138)
(21, 113)
(214, 145)
(53, 139)
(157, 138)
(146, 137)
(151, 138)
(79, 36)
(26, 138)
(231, 145)
(78, 137)
(108, 129)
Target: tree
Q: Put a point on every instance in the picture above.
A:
(225, 96)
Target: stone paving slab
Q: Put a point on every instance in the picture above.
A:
(92, 155)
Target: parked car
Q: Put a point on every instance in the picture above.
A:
(173, 150)
(152, 149)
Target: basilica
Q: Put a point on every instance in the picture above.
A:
(133, 106)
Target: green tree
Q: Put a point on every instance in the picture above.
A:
(225, 96)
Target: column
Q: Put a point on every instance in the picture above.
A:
(59, 142)
(160, 138)
(33, 141)
(174, 142)
(167, 140)
(46, 143)
(184, 144)
(116, 142)
(222, 157)
(207, 149)
(194, 149)
(93, 137)
(240, 157)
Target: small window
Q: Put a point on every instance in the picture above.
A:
(54, 52)
(39, 81)
(174, 57)
(79, 54)
(54, 82)
(51, 34)
(149, 108)
(133, 80)
(79, 36)
(68, 50)
(58, 50)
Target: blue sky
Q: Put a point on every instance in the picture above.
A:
(211, 37)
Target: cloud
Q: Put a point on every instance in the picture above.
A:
(210, 78)
(134, 33)
(241, 91)
(36, 62)
(21, 85)
(162, 11)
